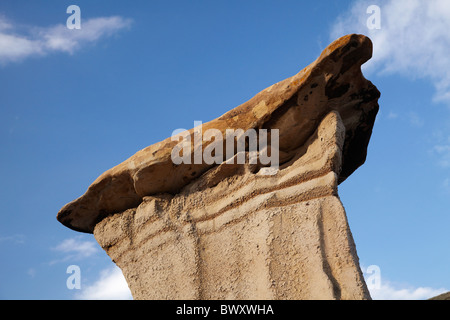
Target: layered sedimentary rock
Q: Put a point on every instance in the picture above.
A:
(229, 231)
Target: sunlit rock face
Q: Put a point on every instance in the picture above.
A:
(233, 230)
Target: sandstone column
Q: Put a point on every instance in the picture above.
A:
(232, 231)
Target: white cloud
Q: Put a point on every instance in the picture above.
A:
(110, 286)
(31, 272)
(16, 239)
(14, 48)
(443, 152)
(415, 120)
(4, 24)
(75, 249)
(80, 247)
(392, 115)
(413, 40)
(39, 41)
(446, 185)
(382, 289)
(388, 291)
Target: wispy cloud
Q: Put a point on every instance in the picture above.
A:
(415, 120)
(75, 249)
(446, 185)
(382, 289)
(32, 41)
(440, 149)
(16, 239)
(413, 40)
(31, 272)
(111, 285)
(389, 291)
(443, 152)
(392, 115)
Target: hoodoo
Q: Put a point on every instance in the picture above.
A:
(228, 230)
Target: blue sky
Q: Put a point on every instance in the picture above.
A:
(74, 103)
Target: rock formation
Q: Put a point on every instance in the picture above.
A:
(228, 230)
(443, 296)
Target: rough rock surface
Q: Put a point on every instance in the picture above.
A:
(228, 232)
(443, 296)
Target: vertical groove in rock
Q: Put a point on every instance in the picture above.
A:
(199, 264)
(323, 251)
